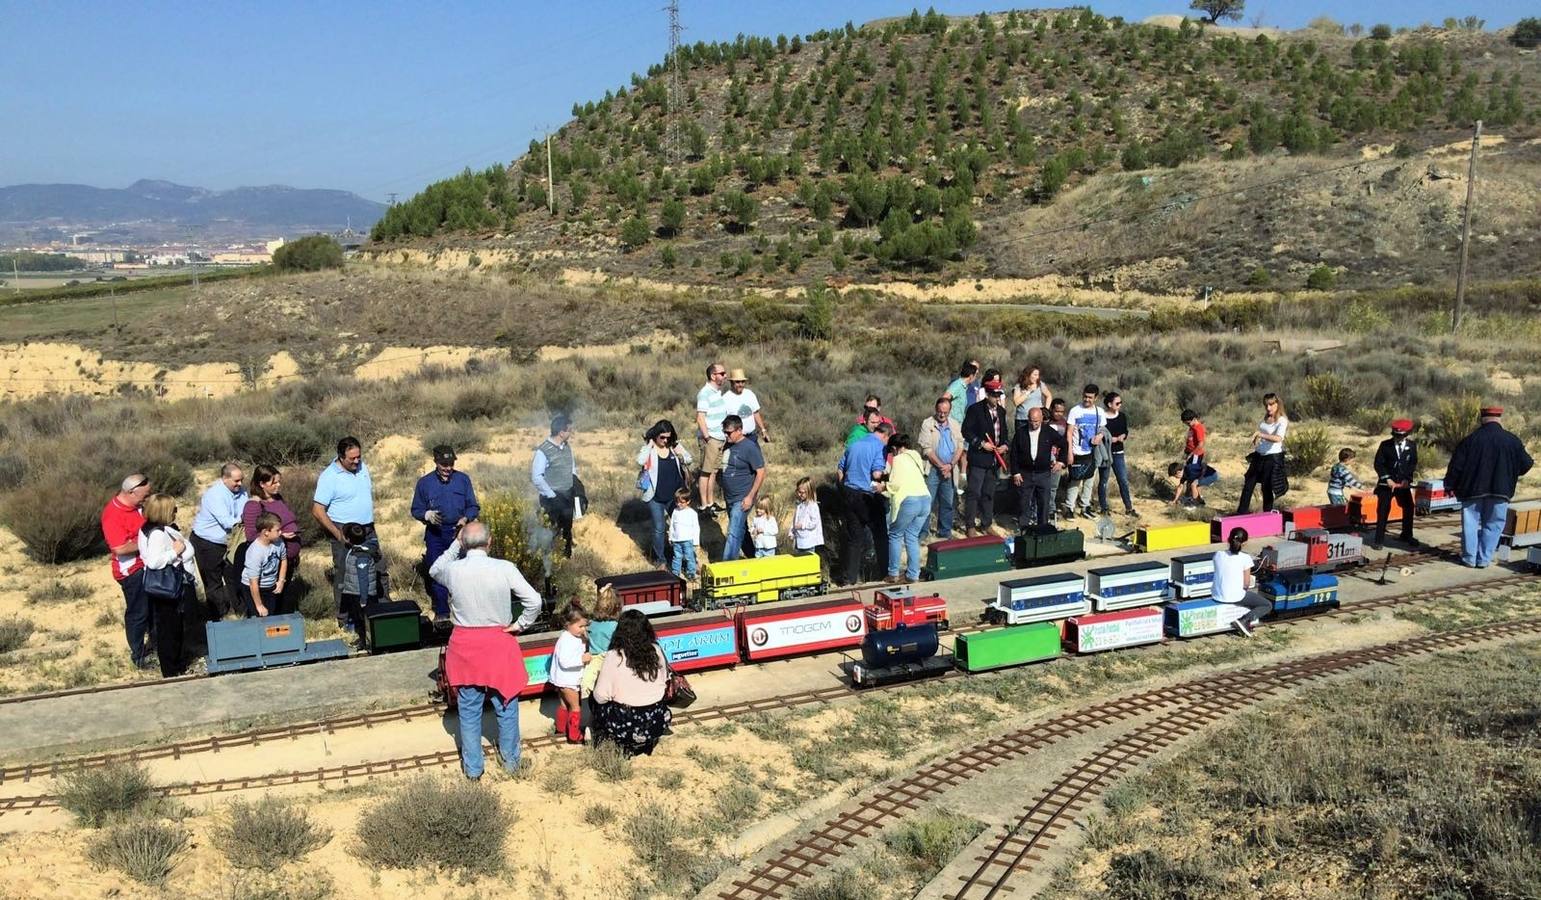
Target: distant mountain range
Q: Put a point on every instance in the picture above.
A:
(274, 207)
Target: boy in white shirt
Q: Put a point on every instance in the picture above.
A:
(684, 534)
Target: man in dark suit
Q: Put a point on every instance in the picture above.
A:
(984, 432)
(1036, 454)
(1396, 461)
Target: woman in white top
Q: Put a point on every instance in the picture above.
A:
(161, 547)
(1030, 391)
(1233, 583)
(1266, 463)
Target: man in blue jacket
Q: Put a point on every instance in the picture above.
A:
(443, 501)
(1484, 470)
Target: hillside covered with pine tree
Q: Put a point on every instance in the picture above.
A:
(1023, 144)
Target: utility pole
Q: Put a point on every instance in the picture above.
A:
(676, 98)
(1471, 184)
(391, 195)
(550, 184)
(15, 275)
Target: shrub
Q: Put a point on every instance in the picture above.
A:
(932, 841)
(13, 471)
(194, 446)
(818, 318)
(14, 633)
(634, 233)
(57, 520)
(1526, 33)
(276, 442)
(96, 796)
(480, 402)
(846, 883)
(1258, 277)
(653, 833)
(1322, 278)
(1372, 419)
(58, 590)
(1364, 317)
(1308, 449)
(458, 435)
(267, 834)
(142, 850)
(167, 474)
(451, 823)
(520, 534)
(1381, 33)
(609, 763)
(1328, 395)
(308, 254)
(1454, 418)
(599, 815)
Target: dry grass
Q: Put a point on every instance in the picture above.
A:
(436, 822)
(266, 834)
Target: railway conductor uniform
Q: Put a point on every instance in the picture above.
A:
(1396, 461)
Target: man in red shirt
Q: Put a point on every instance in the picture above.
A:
(121, 520)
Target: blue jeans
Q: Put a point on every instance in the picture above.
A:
(684, 554)
(435, 542)
(1121, 471)
(906, 529)
(136, 617)
(764, 551)
(1482, 521)
(470, 700)
(660, 514)
(943, 499)
(737, 531)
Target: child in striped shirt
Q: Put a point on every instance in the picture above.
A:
(1342, 479)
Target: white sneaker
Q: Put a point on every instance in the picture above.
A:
(1241, 626)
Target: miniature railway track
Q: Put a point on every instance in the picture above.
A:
(1022, 844)
(777, 876)
(25, 772)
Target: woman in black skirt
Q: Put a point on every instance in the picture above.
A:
(629, 708)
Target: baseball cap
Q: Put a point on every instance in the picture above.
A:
(444, 455)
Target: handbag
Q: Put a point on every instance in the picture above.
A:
(167, 582)
(233, 542)
(677, 691)
(1081, 470)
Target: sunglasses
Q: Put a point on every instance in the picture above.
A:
(740, 381)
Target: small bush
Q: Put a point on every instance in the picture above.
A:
(141, 849)
(98, 795)
(558, 780)
(1329, 396)
(653, 833)
(1322, 278)
(59, 590)
(1454, 418)
(436, 822)
(267, 834)
(673, 780)
(1372, 419)
(931, 841)
(847, 883)
(1258, 277)
(57, 520)
(599, 815)
(458, 435)
(13, 471)
(308, 254)
(1526, 33)
(1308, 449)
(14, 633)
(276, 443)
(480, 402)
(609, 763)
(195, 446)
(634, 233)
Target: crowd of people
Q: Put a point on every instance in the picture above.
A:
(1059, 460)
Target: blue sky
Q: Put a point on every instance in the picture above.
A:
(385, 96)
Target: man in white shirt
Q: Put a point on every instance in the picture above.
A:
(711, 409)
(1084, 433)
(741, 401)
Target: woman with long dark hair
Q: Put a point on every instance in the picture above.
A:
(663, 465)
(629, 708)
(267, 497)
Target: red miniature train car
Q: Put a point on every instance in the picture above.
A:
(902, 608)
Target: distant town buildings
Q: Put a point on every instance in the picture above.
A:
(254, 253)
